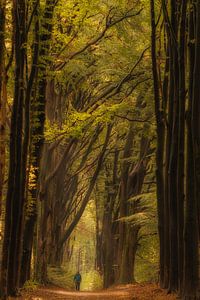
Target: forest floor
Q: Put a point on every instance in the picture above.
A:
(127, 292)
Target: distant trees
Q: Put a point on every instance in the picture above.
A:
(176, 108)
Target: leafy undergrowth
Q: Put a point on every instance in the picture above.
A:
(30, 285)
(60, 276)
(125, 292)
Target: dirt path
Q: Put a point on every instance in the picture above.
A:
(128, 292)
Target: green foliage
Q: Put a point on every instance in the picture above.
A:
(146, 209)
(76, 122)
(91, 281)
(146, 271)
(30, 285)
(83, 256)
(147, 258)
(83, 242)
(60, 276)
(140, 218)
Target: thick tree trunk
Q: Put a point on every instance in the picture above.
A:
(44, 215)
(38, 131)
(128, 256)
(191, 237)
(108, 228)
(29, 228)
(17, 180)
(181, 223)
(160, 129)
(108, 249)
(173, 167)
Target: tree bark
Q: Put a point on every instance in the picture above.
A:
(191, 236)
(3, 97)
(160, 131)
(37, 132)
(16, 180)
(181, 143)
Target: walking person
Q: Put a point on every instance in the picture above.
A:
(77, 281)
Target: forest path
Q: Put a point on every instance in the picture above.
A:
(127, 292)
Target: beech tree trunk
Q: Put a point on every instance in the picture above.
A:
(12, 245)
(180, 237)
(123, 206)
(191, 238)
(108, 229)
(37, 133)
(160, 131)
(131, 185)
(28, 233)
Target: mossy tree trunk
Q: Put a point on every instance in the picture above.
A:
(37, 132)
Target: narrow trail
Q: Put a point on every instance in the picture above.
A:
(127, 292)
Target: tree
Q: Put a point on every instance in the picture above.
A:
(38, 105)
(17, 169)
(178, 209)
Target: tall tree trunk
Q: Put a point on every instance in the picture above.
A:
(181, 143)
(17, 180)
(134, 184)
(181, 233)
(28, 234)
(128, 255)
(2, 98)
(99, 256)
(191, 237)
(123, 206)
(108, 228)
(172, 171)
(107, 249)
(37, 134)
(160, 130)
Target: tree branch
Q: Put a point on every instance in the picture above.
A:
(90, 188)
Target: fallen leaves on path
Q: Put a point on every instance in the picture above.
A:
(126, 292)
